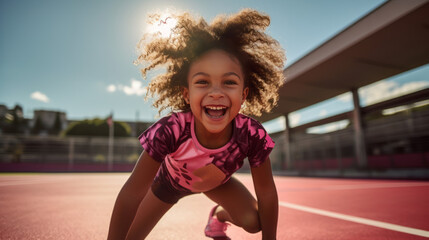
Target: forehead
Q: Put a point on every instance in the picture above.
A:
(215, 62)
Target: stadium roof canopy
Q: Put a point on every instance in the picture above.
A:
(390, 40)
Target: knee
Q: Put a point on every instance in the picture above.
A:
(250, 222)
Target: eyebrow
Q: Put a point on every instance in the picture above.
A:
(200, 73)
(208, 75)
(231, 73)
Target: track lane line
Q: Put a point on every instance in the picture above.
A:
(389, 226)
(374, 185)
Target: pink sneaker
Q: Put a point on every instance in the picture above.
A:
(215, 228)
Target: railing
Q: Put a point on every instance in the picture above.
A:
(399, 141)
(27, 153)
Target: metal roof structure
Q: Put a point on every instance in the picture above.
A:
(390, 40)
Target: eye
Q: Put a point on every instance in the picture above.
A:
(201, 82)
(231, 82)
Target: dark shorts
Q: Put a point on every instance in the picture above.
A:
(163, 189)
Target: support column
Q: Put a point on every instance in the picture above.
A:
(360, 149)
(71, 155)
(287, 144)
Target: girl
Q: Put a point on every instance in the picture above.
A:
(215, 74)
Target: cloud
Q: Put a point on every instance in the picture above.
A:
(275, 125)
(135, 88)
(279, 124)
(323, 113)
(294, 119)
(385, 90)
(330, 127)
(39, 97)
(111, 88)
(345, 97)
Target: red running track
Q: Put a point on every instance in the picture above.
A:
(78, 206)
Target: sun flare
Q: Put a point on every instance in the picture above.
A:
(162, 24)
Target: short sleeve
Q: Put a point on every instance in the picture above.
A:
(260, 144)
(158, 139)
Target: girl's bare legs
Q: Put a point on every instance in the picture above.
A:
(236, 205)
(148, 214)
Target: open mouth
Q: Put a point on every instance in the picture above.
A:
(215, 112)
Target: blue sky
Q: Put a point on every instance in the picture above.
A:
(77, 56)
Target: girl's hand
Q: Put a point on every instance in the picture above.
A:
(131, 195)
(268, 203)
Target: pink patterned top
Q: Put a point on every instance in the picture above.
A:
(172, 142)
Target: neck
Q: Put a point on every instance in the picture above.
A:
(213, 140)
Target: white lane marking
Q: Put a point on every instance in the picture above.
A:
(350, 218)
(376, 185)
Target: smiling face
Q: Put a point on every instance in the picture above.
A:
(215, 92)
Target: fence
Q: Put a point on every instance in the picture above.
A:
(44, 153)
(399, 141)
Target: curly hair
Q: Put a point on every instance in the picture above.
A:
(242, 35)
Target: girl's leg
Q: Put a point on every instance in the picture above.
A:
(236, 205)
(148, 214)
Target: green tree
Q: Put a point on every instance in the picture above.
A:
(97, 127)
(16, 123)
(38, 126)
(57, 127)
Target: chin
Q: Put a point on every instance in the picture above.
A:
(215, 128)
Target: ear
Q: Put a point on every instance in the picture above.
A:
(245, 93)
(185, 92)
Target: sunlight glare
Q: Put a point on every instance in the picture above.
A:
(162, 24)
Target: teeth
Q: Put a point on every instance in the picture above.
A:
(215, 108)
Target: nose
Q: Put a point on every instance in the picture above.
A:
(216, 93)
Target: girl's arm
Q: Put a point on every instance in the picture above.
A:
(268, 203)
(131, 195)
